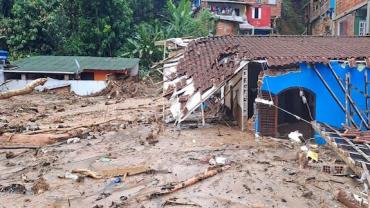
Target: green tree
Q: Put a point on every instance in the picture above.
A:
(292, 19)
(142, 44)
(27, 30)
(100, 28)
(5, 8)
(181, 21)
(67, 27)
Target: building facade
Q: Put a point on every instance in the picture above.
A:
(244, 16)
(337, 17)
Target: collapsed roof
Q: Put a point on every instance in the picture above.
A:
(209, 62)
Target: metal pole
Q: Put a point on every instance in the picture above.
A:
(367, 94)
(358, 112)
(368, 17)
(332, 94)
(203, 119)
(347, 112)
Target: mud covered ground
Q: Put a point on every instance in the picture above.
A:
(263, 172)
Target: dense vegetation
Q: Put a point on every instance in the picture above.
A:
(97, 28)
(292, 19)
(126, 28)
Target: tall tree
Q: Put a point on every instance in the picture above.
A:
(142, 44)
(27, 29)
(67, 27)
(5, 8)
(182, 21)
(102, 28)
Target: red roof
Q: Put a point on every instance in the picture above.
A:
(212, 60)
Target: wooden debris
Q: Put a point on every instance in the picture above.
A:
(108, 173)
(19, 147)
(175, 201)
(167, 189)
(122, 171)
(349, 200)
(26, 90)
(37, 139)
(87, 173)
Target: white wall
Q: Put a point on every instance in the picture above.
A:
(1, 74)
(80, 87)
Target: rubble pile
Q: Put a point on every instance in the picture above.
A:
(69, 151)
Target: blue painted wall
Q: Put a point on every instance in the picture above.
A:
(332, 4)
(327, 110)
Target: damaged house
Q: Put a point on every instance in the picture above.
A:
(304, 78)
(82, 75)
(274, 85)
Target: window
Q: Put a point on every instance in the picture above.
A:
(256, 13)
(362, 28)
(342, 30)
(272, 2)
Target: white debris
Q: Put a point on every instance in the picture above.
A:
(221, 160)
(263, 101)
(218, 160)
(304, 148)
(73, 140)
(71, 176)
(295, 137)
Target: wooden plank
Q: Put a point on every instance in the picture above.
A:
(348, 160)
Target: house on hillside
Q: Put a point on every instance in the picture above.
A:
(350, 18)
(71, 68)
(318, 17)
(337, 17)
(244, 16)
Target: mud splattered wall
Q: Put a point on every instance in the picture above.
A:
(327, 110)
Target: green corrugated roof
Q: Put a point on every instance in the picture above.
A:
(67, 64)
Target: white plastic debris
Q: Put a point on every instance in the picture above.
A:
(71, 176)
(304, 148)
(73, 140)
(263, 101)
(218, 160)
(295, 137)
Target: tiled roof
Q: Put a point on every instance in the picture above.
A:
(67, 64)
(211, 60)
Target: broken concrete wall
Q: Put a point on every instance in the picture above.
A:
(327, 110)
(234, 96)
(1, 74)
(80, 87)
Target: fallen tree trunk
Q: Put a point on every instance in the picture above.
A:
(37, 139)
(348, 200)
(26, 90)
(191, 181)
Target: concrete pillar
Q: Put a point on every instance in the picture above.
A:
(66, 77)
(368, 17)
(23, 77)
(134, 71)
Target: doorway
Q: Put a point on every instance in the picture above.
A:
(300, 102)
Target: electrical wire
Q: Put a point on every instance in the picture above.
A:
(306, 103)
